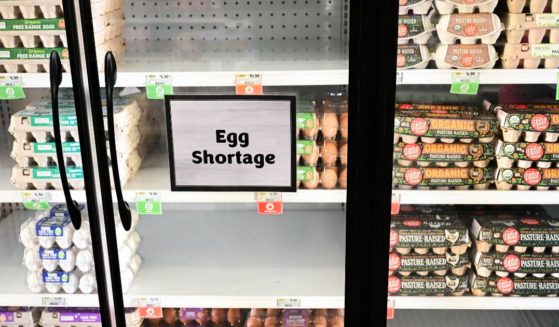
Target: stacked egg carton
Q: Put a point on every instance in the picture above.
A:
(60, 258)
(428, 252)
(443, 147)
(322, 144)
(414, 31)
(84, 317)
(515, 253)
(35, 153)
(18, 316)
(31, 29)
(532, 35)
(528, 154)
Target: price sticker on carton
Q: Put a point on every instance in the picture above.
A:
(150, 308)
(269, 203)
(158, 86)
(465, 83)
(11, 88)
(390, 309)
(395, 207)
(248, 84)
(148, 203)
(36, 200)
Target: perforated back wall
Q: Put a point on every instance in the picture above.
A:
(231, 31)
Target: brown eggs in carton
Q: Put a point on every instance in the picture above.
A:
(534, 6)
(530, 56)
(535, 26)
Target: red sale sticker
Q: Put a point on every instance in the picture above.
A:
(269, 203)
(390, 309)
(395, 207)
(249, 84)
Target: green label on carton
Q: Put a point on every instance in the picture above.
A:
(46, 121)
(547, 20)
(305, 147)
(466, 83)
(545, 51)
(305, 173)
(54, 173)
(306, 120)
(42, 24)
(35, 53)
(49, 147)
(158, 86)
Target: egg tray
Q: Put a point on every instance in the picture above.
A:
(513, 286)
(527, 154)
(416, 29)
(456, 27)
(317, 180)
(423, 265)
(449, 6)
(533, 6)
(18, 316)
(529, 56)
(410, 139)
(538, 265)
(82, 284)
(535, 27)
(542, 179)
(329, 154)
(444, 164)
(465, 56)
(416, 7)
(81, 317)
(410, 56)
(33, 9)
(431, 285)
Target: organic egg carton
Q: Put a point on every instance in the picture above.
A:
(526, 155)
(425, 264)
(416, 29)
(427, 285)
(33, 9)
(506, 264)
(410, 56)
(466, 56)
(534, 6)
(530, 56)
(535, 26)
(469, 28)
(444, 154)
(82, 317)
(407, 178)
(541, 179)
(446, 7)
(529, 122)
(417, 7)
(513, 286)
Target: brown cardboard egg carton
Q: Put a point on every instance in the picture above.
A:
(408, 178)
(33, 9)
(444, 154)
(529, 122)
(469, 28)
(40, 178)
(18, 316)
(533, 6)
(417, 7)
(425, 264)
(525, 264)
(34, 40)
(530, 56)
(466, 56)
(527, 154)
(431, 285)
(534, 26)
(416, 29)
(446, 7)
(410, 56)
(524, 179)
(513, 286)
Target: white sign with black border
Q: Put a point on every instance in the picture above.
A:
(231, 143)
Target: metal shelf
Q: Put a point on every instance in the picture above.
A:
(486, 76)
(478, 197)
(475, 303)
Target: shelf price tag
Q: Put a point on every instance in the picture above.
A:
(150, 308)
(288, 303)
(53, 301)
(269, 203)
(465, 83)
(390, 309)
(36, 200)
(11, 88)
(399, 77)
(557, 88)
(249, 84)
(148, 203)
(158, 86)
(395, 207)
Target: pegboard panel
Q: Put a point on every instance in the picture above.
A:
(229, 31)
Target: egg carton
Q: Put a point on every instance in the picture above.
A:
(329, 178)
(416, 29)
(530, 56)
(469, 28)
(535, 26)
(417, 7)
(407, 178)
(444, 154)
(541, 179)
(33, 9)
(329, 153)
(506, 264)
(430, 140)
(526, 154)
(83, 317)
(410, 56)
(466, 56)
(457, 249)
(18, 316)
(529, 122)
(34, 40)
(534, 6)
(424, 264)
(446, 7)
(431, 285)
(513, 286)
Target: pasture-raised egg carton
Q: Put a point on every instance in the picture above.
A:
(469, 28)
(541, 179)
(446, 7)
(527, 154)
(427, 285)
(534, 26)
(444, 154)
(530, 56)
(427, 178)
(425, 264)
(417, 7)
(466, 56)
(416, 29)
(412, 56)
(529, 122)
(513, 286)
(517, 264)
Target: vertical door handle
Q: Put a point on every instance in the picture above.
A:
(110, 80)
(55, 80)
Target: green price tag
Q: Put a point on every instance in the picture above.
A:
(36, 200)
(11, 88)
(158, 86)
(305, 146)
(465, 83)
(148, 203)
(557, 88)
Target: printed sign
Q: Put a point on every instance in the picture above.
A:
(36, 200)
(395, 206)
(150, 308)
(232, 143)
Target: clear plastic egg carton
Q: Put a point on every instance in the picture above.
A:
(533, 6)
(469, 28)
(417, 7)
(446, 7)
(465, 56)
(33, 9)
(535, 26)
(430, 263)
(527, 154)
(416, 29)
(82, 317)
(18, 316)
(409, 56)
(530, 56)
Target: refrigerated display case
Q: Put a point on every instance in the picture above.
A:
(203, 258)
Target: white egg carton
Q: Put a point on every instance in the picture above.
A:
(18, 316)
(536, 26)
(415, 29)
(417, 7)
(33, 9)
(446, 7)
(409, 56)
(466, 56)
(534, 6)
(83, 317)
(530, 56)
(469, 28)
